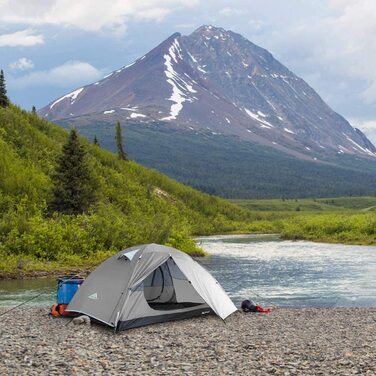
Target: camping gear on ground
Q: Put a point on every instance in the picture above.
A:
(149, 284)
(67, 286)
(250, 306)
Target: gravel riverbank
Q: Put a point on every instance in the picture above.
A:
(285, 342)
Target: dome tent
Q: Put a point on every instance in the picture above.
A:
(149, 284)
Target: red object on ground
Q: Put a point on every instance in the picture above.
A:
(260, 309)
(59, 310)
(55, 311)
(62, 308)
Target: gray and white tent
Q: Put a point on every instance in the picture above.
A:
(149, 284)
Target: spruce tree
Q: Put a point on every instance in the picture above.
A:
(4, 101)
(74, 190)
(119, 142)
(95, 141)
(33, 110)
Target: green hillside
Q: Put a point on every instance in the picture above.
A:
(135, 205)
(336, 204)
(347, 220)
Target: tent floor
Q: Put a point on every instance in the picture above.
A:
(171, 306)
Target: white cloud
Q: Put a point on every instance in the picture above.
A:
(68, 75)
(22, 63)
(339, 41)
(21, 38)
(256, 24)
(355, 30)
(231, 11)
(89, 15)
(181, 26)
(369, 94)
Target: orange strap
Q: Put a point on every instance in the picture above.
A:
(54, 311)
(62, 308)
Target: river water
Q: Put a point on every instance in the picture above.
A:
(292, 273)
(265, 269)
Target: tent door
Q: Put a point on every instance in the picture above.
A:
(166, 288)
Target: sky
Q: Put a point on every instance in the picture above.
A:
(50, 47)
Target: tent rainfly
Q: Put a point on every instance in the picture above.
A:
(149, 284)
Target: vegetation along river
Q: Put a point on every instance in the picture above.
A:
(265, 269)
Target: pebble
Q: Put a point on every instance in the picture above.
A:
(81, 320)
(337, 341)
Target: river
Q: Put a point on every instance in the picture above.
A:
(265, 269)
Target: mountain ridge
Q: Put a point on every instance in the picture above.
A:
(216, 85)
(197, 81)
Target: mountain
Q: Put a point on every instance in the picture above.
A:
(134, 205)
(216, 84)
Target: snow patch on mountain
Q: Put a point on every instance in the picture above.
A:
(365, 150)
(73, 96)
(135, 115)
(288, 130)
(256, 116)
(129, 108)
(180, 87)
(192, 57)
(108, 112)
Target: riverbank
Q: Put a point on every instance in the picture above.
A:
(26, 266)
(340, 220)
(285, 342)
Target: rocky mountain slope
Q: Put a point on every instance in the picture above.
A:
(222, 114)
(217, 80)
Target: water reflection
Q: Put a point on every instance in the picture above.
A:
(295, 274)
(14, 292)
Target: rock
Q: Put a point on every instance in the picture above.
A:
(285, 342)
(81, 320)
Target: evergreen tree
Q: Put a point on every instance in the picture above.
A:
(33, 110)
(4, 101)
(74, 190)
(119, 142)
(95, 141)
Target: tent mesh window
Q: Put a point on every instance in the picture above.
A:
(160, 289)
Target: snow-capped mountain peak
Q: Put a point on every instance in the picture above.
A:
(218, 80)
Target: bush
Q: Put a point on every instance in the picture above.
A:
(133, 205)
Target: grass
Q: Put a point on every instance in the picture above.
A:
(25, 266)
(341, 204)
(346, 220)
